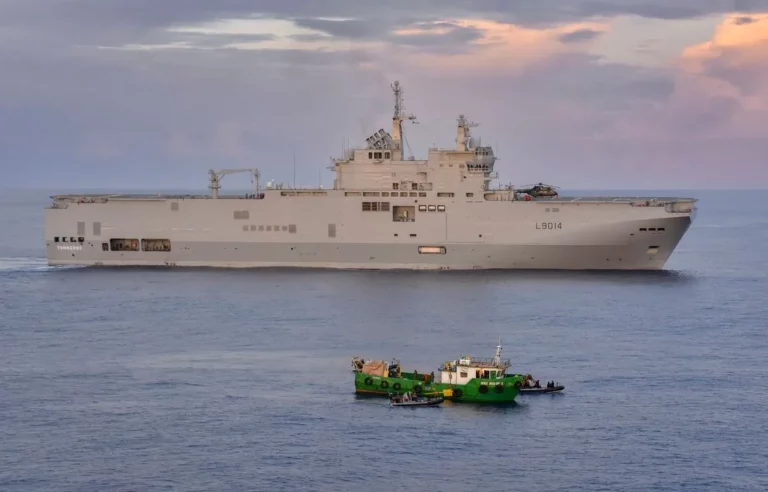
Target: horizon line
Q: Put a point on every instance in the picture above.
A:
(102, 189)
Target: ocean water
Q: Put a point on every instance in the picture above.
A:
(203, 379)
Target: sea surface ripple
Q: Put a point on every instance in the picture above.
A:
(204, 379)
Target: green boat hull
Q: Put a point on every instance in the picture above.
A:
(503, 390)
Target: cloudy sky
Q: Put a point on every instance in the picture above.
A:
(579, 93)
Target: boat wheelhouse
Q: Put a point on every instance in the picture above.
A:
(467, 368)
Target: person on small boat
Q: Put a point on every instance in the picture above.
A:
(537, 385)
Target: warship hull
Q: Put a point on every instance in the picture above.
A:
(203, 233)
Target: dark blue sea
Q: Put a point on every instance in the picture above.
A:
(211, 380)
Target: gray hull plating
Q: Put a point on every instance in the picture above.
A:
(634, 255)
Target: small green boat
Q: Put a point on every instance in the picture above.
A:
(469, 379)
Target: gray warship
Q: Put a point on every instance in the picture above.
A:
(385, 211)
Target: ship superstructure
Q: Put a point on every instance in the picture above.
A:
(384, 211)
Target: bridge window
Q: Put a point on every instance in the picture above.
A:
(445, 195)
(441, 208)
(422, 208)
(241, 215)
(370, 155)
(395, 186)
(386, 155)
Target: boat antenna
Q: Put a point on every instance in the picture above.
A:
(294, 169)
(497, 357)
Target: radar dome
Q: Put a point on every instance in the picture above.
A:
(472, 142)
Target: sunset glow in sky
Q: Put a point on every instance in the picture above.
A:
(622, 94)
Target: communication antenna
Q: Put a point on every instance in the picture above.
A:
(398, 118)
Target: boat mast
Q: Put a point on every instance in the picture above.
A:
(398, 118)
(497, 357)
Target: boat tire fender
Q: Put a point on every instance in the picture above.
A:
(384, 384)
(368, 381)
(499, 388)
(417, 389)
(457, 393)
(396, 386)
(483, 388)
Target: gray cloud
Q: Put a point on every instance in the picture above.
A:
(73, 113)
(743, 20)
(579, 36)
(131, 17)
(354, 29)
(458, 39)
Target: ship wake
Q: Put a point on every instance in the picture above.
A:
(29, 264)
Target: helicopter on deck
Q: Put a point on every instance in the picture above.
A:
(539, 189)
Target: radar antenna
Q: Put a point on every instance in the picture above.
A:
(463, 137)
(215, 178)
(398, 118)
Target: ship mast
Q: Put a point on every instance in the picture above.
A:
(463, 137)
(398, 118)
